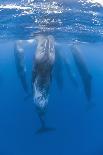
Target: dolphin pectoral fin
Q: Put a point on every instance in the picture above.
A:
(44, 130)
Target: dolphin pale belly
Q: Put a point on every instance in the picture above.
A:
(20, 64)
(83, 71)
(43, 62)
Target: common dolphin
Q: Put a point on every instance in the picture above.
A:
(20, 63)
(83, 70)
(43, 62)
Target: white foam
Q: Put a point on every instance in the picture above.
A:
(13, 6)
(96, 1)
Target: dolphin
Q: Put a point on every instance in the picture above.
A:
(20, 64)
(43, 63)
(83, 71)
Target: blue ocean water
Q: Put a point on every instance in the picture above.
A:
(77, 121)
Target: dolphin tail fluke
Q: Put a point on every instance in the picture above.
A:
(44, 130)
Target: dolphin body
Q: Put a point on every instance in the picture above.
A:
(20, 64)
(83, 71)
(43, 62)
